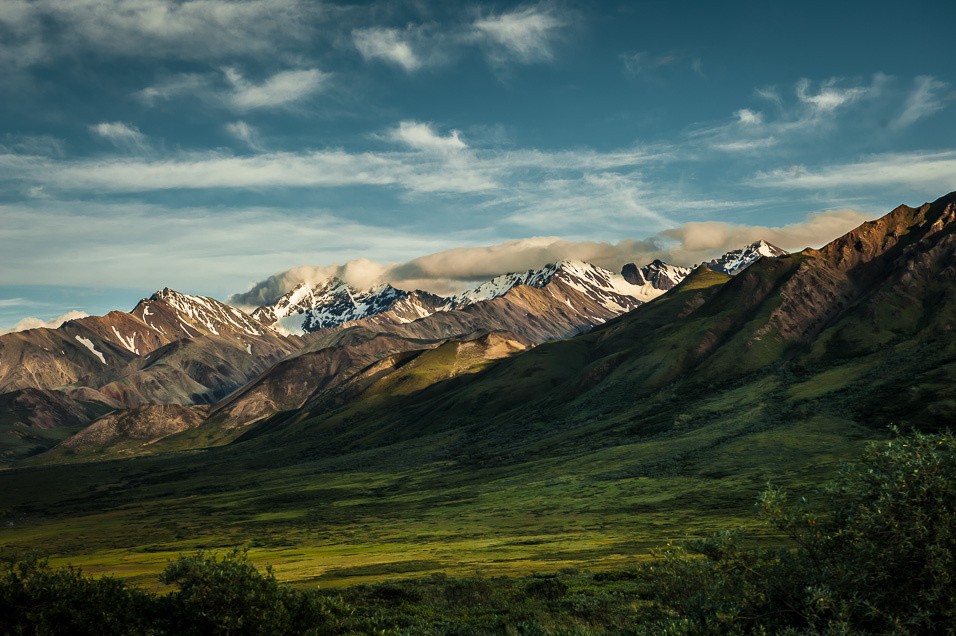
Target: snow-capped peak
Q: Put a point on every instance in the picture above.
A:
(607, 288)
(736, 261)
(199, 313)
(335, 302)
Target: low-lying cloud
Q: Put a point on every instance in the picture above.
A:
(37, 323)
(452, 270)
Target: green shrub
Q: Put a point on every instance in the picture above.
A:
(229, 595)
(37, 599)
(879, 558)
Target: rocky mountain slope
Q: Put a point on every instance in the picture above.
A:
(866, 317)
(176, 349)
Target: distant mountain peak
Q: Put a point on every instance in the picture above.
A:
(195, 315)
(735, 261)
(655, 275)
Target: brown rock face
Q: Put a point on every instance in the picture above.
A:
(830, 280)
(141, 426)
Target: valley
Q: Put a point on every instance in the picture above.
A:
(373, 453)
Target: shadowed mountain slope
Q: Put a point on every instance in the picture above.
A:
(659, 425)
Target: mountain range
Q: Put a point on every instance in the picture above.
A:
(514, 433)
(190, 351)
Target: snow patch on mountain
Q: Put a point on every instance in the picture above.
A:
(127, 341)
(86, 342)
(208, 313)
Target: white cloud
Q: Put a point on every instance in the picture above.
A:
(830, 97)
(245, 133)
(770, 94)
(423, 137)
(748, 117)
(745, 145)
(121, 135)
(41, 30)
(390, 45)
(234, 91)
(526, 35)
(812, 114)
(285, 87)
(930, 171)
(922, 102)
(191, 84)
(432, 164)
(37, 323)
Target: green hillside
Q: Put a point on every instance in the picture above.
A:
(661, 425)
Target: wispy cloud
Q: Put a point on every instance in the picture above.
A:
(745, 145)
(422, 136)
(526, 35)
(137, 246)
(830, 96)
(190, 84)
(390, 45)
(813, 113)
(922, 102)
(14, 302)
(244, 133)
(233, 90)
(42, 30)
(283, 88)
(121, 135)
(929, 171)
(428, 162)
(770, 94)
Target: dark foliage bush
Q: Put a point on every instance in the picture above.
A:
(37, 599)
(879, 558)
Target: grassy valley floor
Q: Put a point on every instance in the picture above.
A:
(381, 516)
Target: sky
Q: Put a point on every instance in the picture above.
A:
(233, 149)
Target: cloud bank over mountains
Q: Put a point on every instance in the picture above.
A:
(452, 270)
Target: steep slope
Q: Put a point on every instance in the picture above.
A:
(780, 321)
(125, 432)
(33, 420)
(177, 315)
(172, 348)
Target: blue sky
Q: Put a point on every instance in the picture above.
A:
(206, 145)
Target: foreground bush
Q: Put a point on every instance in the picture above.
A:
(880, 557)
(230, 596)
(36, 599)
